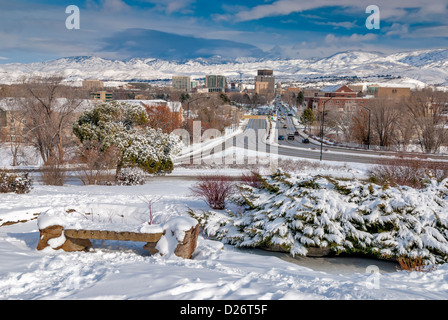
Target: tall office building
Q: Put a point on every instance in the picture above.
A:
(93, 84)
(265, 81)
(215, 83)
(181, 83)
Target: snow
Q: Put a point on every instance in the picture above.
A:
(300, 211)
(124, 271)
(415, 68)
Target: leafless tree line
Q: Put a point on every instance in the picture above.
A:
(43, 111)
(420, 119)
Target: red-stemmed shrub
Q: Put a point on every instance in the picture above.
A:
(412, 172)
(214, 190)
(252, 179)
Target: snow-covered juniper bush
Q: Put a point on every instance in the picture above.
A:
(297, 212)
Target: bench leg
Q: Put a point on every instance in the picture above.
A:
(151, 247)
(69, 245)
(72, 244)
(184, 249)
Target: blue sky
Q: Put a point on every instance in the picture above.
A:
(32, 31)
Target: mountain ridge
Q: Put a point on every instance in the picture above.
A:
(426, 66)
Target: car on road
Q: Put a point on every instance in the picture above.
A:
(306, 140)
(291, 137)
(281, 138)
(296, 133)
(285, 126)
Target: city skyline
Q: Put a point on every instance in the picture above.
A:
(185, 29)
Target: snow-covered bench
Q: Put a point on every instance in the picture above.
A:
(63, 230)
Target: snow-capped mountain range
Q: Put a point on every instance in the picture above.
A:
(414, 68)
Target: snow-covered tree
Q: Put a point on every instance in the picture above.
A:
(125, 127)
(296, 213)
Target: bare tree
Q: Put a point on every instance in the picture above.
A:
(51, 107)
(359, 127)
(341, 123)
(384, 119)
(3, 94)
(427, 109)
(405, 128)
(17, 132)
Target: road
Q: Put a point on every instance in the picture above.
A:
(253, 140)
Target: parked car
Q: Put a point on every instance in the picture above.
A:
(306, 140)
(296, 133)
(281, 138)
(285, 126)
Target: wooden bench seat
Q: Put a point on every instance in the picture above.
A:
(71, 240)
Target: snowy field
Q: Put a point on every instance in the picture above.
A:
(124, 271)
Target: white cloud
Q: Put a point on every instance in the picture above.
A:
(343, 24)
(388, 9)
(115, 5)
(171, 6)
(427, 32)
(354, 38)
(397, 29)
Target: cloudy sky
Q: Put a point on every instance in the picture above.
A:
(32, 31)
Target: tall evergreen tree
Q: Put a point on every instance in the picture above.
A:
(307, 118)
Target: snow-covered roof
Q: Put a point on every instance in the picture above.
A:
(331, 88)
(11, 103)
(175, 106)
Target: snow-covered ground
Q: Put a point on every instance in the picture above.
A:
(412, 69)
(123, 270)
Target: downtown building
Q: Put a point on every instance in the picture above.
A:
(181, 83)
(215, 83)
(265, 82)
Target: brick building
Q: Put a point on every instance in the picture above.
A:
(389, 92)
(265, 82)
(339, 98)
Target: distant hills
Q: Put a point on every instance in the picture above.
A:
(413, 68)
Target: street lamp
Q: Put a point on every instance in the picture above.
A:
(322, 127)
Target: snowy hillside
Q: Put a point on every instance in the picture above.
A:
(414, 68)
